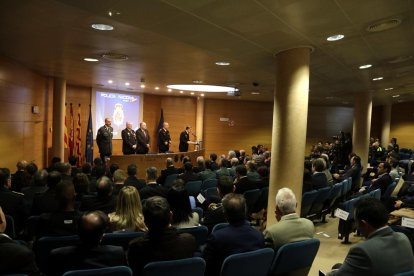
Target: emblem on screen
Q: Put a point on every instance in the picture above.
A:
(118, 117)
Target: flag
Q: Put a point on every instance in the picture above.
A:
(65, 135)
(78, 141)
(72, 132)
(161, 122)
(89, 140)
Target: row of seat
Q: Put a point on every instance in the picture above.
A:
(293, 259)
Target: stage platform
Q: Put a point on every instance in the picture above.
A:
(143, 161)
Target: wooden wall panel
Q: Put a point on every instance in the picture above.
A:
(402, 124)
(23, 135)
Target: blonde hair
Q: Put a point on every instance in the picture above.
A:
(128, 214)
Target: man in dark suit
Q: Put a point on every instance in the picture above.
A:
(188, 174)
(143, 139)
(13, 203)
(129, 140)
(104, 140)
(242, 182)
(170, 169)
(162, 242)
(104, 201)
(238, 237)
(89, 254)
(152, 188)
(15, 258)
(215, 211)
(214, 165)
(384, 252)
(46, 202)
(319, 179)
(184, 139)
(354, 172)
(382, 182)
(132, 179)
(164, 138)
(19, 178)
(207, 173)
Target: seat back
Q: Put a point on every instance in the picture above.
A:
(10, 227)
(318, 203)
(307, 200)
(43, 246)
(344, 187)
(263, 200)
(107, 271)
(336, 191)
(375, 193)
(295, 256)
(193, 187)
(349, 205)
(120, 238)
(169, 180)
(251, 197)
(32, 227)
(209, 183)
(219, 226)
(256, 263)
(389, 190)
(191, 266)
(408, 273)
(210, 192)
(199, 232)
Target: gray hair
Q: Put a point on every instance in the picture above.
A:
(286, 201)
(234, 161)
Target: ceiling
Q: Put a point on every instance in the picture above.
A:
(179, 41)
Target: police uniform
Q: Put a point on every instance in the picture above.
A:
(184, 138)
(164, 140)
(128, 141)
(104, 141)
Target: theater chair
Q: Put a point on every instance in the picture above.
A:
(256, 263)
(107, 271)
(191, 266)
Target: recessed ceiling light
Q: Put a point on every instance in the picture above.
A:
(114, 56)
(255, 93)
(181, 92)
(169, 89)
(156, 88)
(110, 81)
(192, 93)
(400, 59)
(197, 81)
(335, 37)
(202, 95)
(384, 25)
(222, 63)
(142, 86)
(91, 59)
(127, 83)
(102, 27)
(365, 66)
(377, 79)
(202, 88)
(389, 88)
(113, 13)
(395, 96)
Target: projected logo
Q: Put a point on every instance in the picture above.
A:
(118, 115)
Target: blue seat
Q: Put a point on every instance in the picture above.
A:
(120, 238)
(191, 266)
(375, 193)
(295, 258)
(262, 201)
(107, 271)
(219, 226)
(193, 187)
(307, 201)
(210, 193)
(319, 202)
(389, 191)
(10, 227)
(256, 263)
(200, 233)
(344, 187)
(251, 196)
(336, 192)
(345, 227)
(209, 183)
(408, 273)
(169, 180)
(43, 246)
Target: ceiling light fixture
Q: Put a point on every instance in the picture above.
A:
(102, 27)
(127, 83)
(395, 96)
(197, 81)
(181, 92)
(192, 93)
(255, 93)
(91, 59)
(202, 95)
(222, 63)
(335, 37)
(365, 66)
(389, 88)
(157, 88)
(377, 79)
(142, 83)
(203, 88)
(169, 89)
(142, 86)
(110, 81)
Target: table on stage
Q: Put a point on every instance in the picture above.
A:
(143, 161)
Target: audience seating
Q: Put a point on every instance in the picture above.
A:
(345, 227)
(319, 202)
(200, 212)
(31, 229)
(376, 194)
(336, 191)
(256, 263)
(209, 183)
(251, 196)
(193, 187)
(10, 227)
(107, 271)
(120, 238)
(210, 193)
(389, 190)
(191, 266)
(408, 273)
(307, 199)
(262, 200)
(295, 258)
(219, 226)
(45, 245)
(169, 180)
(200, 233)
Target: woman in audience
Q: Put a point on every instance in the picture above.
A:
(128, 213)
(183, 216)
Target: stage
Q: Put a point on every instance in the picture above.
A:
(143, 161)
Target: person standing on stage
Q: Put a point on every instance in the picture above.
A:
(104, 140)
(129, 140)
(164, 139)
(143, 139)
(184, 139)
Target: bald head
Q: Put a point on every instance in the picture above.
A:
(166, 125)
(143, 125)
(128, 125)
(108, 122)
(92, 226)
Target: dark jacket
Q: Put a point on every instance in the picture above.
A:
(104, 140)
(133, 181)
(153, 189)
(93, 203)
(319, 181)
(143, 138)
(166, 172)
(13, 204)
(128, 141)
